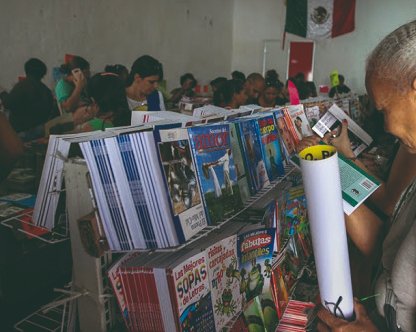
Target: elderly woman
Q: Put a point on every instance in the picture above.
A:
(391, 83)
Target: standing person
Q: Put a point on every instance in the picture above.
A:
(225, 162)
(254, 86)
(339, 89)
(391, 84)
(70, 90)
(30, 102)
(142, 94)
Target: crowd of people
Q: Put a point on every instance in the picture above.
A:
(30, 103)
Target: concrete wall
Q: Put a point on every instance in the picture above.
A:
(208, 38)
(257, 21)
(185, 35)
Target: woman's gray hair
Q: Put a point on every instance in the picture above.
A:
(394, 58)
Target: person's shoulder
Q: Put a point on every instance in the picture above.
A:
(175, 90)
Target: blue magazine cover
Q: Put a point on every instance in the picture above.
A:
(251, 143)
(270, 146)
(216, 171)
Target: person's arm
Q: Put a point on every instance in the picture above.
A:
(11, 147)
(71, 103)
(161, 101)
(176, 95)
(402, 172)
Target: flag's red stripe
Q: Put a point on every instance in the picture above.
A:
(343, 17)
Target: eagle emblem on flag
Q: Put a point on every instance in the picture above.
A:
(319, 15)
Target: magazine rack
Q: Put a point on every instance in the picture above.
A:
(95, 305)
(252, 201)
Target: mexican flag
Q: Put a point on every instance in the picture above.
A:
(320, 19)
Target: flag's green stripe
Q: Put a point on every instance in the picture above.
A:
(296, 17)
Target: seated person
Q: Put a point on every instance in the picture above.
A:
(70, 90)
(188, 83)
(118, 69)
(339, 89)
(238, 75)
(108, 106)
(272, 76)
(312, 92)
(269, 95)
(231, 95)
(254, 86)
(216, 82)
(11, 147)
(30, 102)
(142, 84)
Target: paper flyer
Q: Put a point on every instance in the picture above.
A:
(322, 184)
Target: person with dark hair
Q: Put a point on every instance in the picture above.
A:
(273, 77)
(30, 102)
(340, 88)
(108, 107)
(188, 83)
(118, 69)
(142, 94)
(254, 86)
(301, 86)
(230, 94)
(70, 90)
(269, 96)
(216, 83)
(238, 75)
(312, 92)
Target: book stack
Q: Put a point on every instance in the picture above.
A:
(295, 317)
(136, 207)
(200, 290)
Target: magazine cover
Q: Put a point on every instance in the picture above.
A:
(288, 143)
(180, 180)
(255, 252)
(331, 121)
(240, 168)
(211, 148)
(225, 280)
(297, 120)
(193, 295)
(251, 143)
(270, 146)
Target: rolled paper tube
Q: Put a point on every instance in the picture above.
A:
(322, 184)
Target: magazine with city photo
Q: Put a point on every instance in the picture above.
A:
(331, 121)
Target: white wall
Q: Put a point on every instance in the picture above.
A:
(208, 38)
(185, 35)
(255, 21)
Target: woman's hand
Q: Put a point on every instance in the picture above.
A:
(307, 142)
(342, 142)
(362, 322)
(79, 79)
